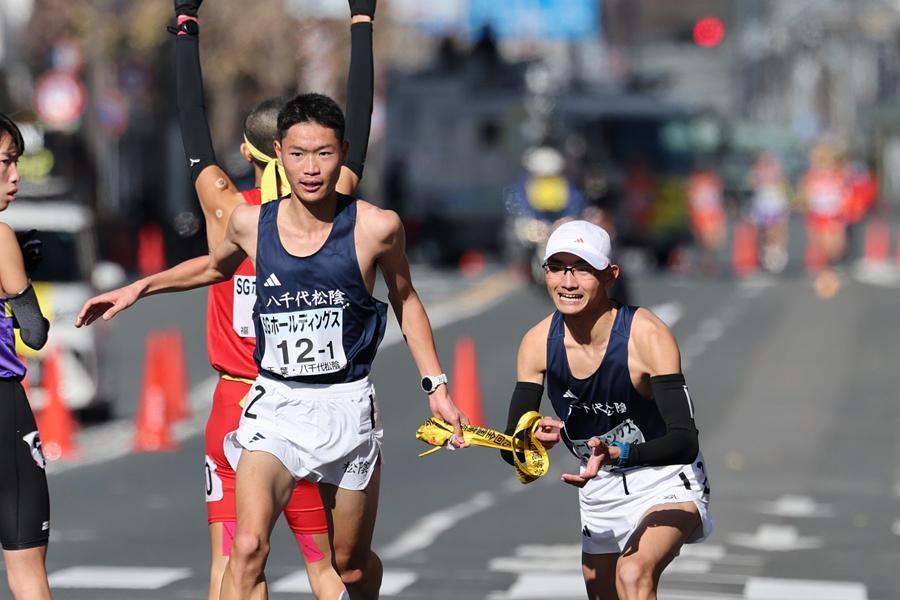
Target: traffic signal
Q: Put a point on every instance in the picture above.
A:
(708, 32)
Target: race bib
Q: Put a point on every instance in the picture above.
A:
(302, 343)
(242, 307)
(214, 491)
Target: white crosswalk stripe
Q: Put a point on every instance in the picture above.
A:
(117, 578)
(393, 582)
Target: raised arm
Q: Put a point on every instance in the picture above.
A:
(220, 265)
(360, 94)
(217, 193)
(385, 226)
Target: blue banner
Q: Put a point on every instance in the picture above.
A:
(536, 19)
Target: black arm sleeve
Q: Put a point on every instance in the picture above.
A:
(33, 326)
(526, 397)
(679, 446)
(360, 93)
(195, 134)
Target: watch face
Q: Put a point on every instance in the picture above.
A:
(426, 384)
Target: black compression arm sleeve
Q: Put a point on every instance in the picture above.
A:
(360, 92)
(33, 326)
(526, 397)
(195, 135)
(679, 445)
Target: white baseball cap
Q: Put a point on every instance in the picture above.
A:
(584, 240)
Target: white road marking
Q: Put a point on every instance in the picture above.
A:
(796, 506)
(765, 588)
(775, 538)
(670, 312)
(393, 582)
(427, 529)
(895, 527)
(534, 586)
(116, 578)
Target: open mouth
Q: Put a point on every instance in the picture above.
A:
(311, 187)
(568, 297)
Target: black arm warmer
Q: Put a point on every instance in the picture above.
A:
(360, 92)
(526, 397)
(195, 135)
(679, 446)
(33, 326)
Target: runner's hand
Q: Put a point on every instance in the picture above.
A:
(106, 305)
(363, 7)
(187, 7)
(547, 432)
(599, 457)
(443, 408)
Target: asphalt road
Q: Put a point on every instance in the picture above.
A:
(797, 406)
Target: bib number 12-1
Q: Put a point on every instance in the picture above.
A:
(309, 342)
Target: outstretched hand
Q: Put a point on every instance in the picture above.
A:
(599, 457)
(443, 408)
(106, 305)
(363, 7)
(187, 7)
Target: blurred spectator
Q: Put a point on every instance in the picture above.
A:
(770, 210)
(707, 212)
(823, 189)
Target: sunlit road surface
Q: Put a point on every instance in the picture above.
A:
(796, 400)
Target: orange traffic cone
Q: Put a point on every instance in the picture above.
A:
(744, 256)
(877, 245)
(466, 389)
(175, 380)
(152, 421)
(55, 421)
(151, 250)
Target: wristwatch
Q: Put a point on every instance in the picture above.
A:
(431, 382)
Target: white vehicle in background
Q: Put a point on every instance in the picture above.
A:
(67, 275)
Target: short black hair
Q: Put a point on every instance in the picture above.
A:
(9, 126)
(261, 124)
(311, 108)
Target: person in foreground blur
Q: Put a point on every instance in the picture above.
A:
(24, 499)
(311, 413)
(613, 376)
(231, 338)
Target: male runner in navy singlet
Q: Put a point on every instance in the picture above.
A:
(311, 413)
(613, 376)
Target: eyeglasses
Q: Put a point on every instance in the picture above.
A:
(579, 271)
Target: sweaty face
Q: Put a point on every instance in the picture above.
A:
(574, 285)
(9, 171)
(312, 157)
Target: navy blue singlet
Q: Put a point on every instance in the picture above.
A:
(606, 403)
(315, 320)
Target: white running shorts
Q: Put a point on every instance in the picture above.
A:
(614, 502)
(319, 432)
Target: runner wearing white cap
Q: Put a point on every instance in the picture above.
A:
(613, 376)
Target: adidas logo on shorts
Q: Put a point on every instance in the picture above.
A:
(272, 281)
(256, 437)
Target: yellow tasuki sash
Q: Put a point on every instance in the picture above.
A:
(536, 464)
(274, 182)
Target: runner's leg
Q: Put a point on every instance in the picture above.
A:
(263, 489)
(351, 518)
(306, 517)
(599, 572)
(655, 542)
(27, 574)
